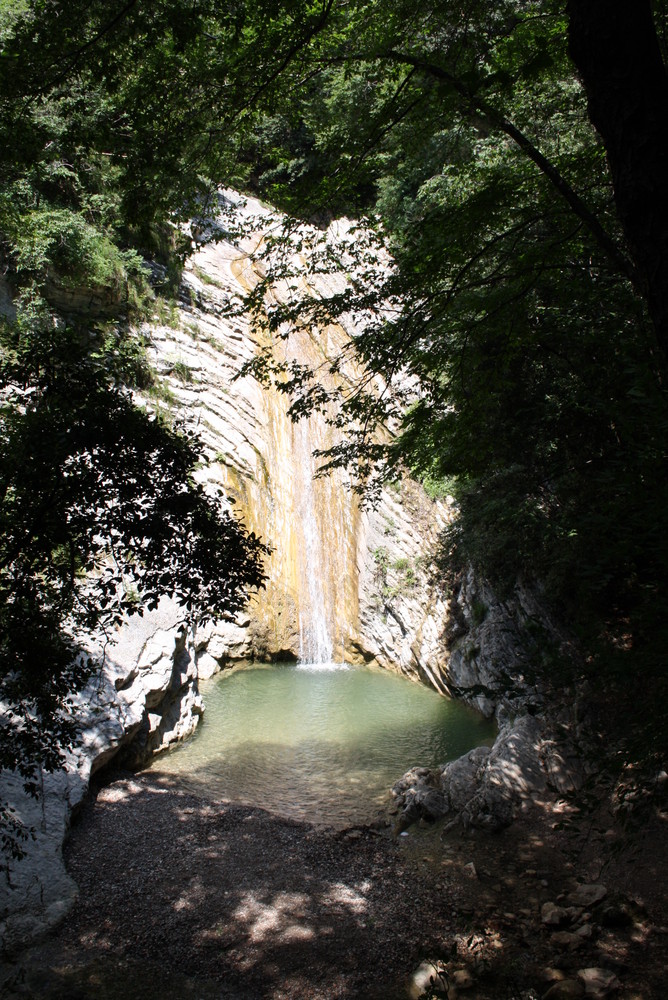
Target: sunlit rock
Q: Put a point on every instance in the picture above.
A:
(144, 698)
(487, 788)
(343, 583)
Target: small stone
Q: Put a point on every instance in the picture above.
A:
(470, 870)
(550, 975)
(462, 979)
(553, 915)
(613, 963)
(566, 940)
(428, 974)
(586, 931)
(598, 983)
(589, 894)
(567, 989)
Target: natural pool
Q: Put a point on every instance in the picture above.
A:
(322, 743)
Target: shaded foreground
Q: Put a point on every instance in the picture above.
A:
(182, 897)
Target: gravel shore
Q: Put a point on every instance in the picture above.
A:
(182, 897)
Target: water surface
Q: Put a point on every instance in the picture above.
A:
(322, 743)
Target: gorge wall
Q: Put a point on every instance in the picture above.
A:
(343, 583)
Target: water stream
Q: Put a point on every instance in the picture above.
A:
(315, 643)
(320, 742)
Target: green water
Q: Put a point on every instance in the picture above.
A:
(321, 743)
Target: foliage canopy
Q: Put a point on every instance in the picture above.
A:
(521, 322)
(99, 512)
(519, 301)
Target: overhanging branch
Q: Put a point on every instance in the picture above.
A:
(613, 252)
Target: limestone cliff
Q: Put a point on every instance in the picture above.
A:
(343, 583)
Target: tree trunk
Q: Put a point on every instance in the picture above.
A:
(614, 46)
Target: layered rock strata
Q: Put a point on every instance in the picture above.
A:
(343, 583)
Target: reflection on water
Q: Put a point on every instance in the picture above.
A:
(318, 742)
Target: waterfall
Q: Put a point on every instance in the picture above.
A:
(309, 608)
(315, 620)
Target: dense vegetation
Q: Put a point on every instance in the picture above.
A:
(525, 304)
(527, 298)
(99, 511)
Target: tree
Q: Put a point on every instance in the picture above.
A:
(99, 510)
(526, 293)
(618, 55)
(523, 311)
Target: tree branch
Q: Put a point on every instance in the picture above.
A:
(615, 255)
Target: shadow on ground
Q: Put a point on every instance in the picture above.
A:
(181, 897)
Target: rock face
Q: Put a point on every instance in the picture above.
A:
(486, 788)
(343, 583)
(144, 698)
(491, 650)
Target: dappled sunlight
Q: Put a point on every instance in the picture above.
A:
(264, 905)
(286, 918)
(511, 776)
(348, 897)
(252, 907)
(118, 793)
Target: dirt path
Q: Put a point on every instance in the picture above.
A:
(185, 898)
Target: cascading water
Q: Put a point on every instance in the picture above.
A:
(315, 641)
(310, 606)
